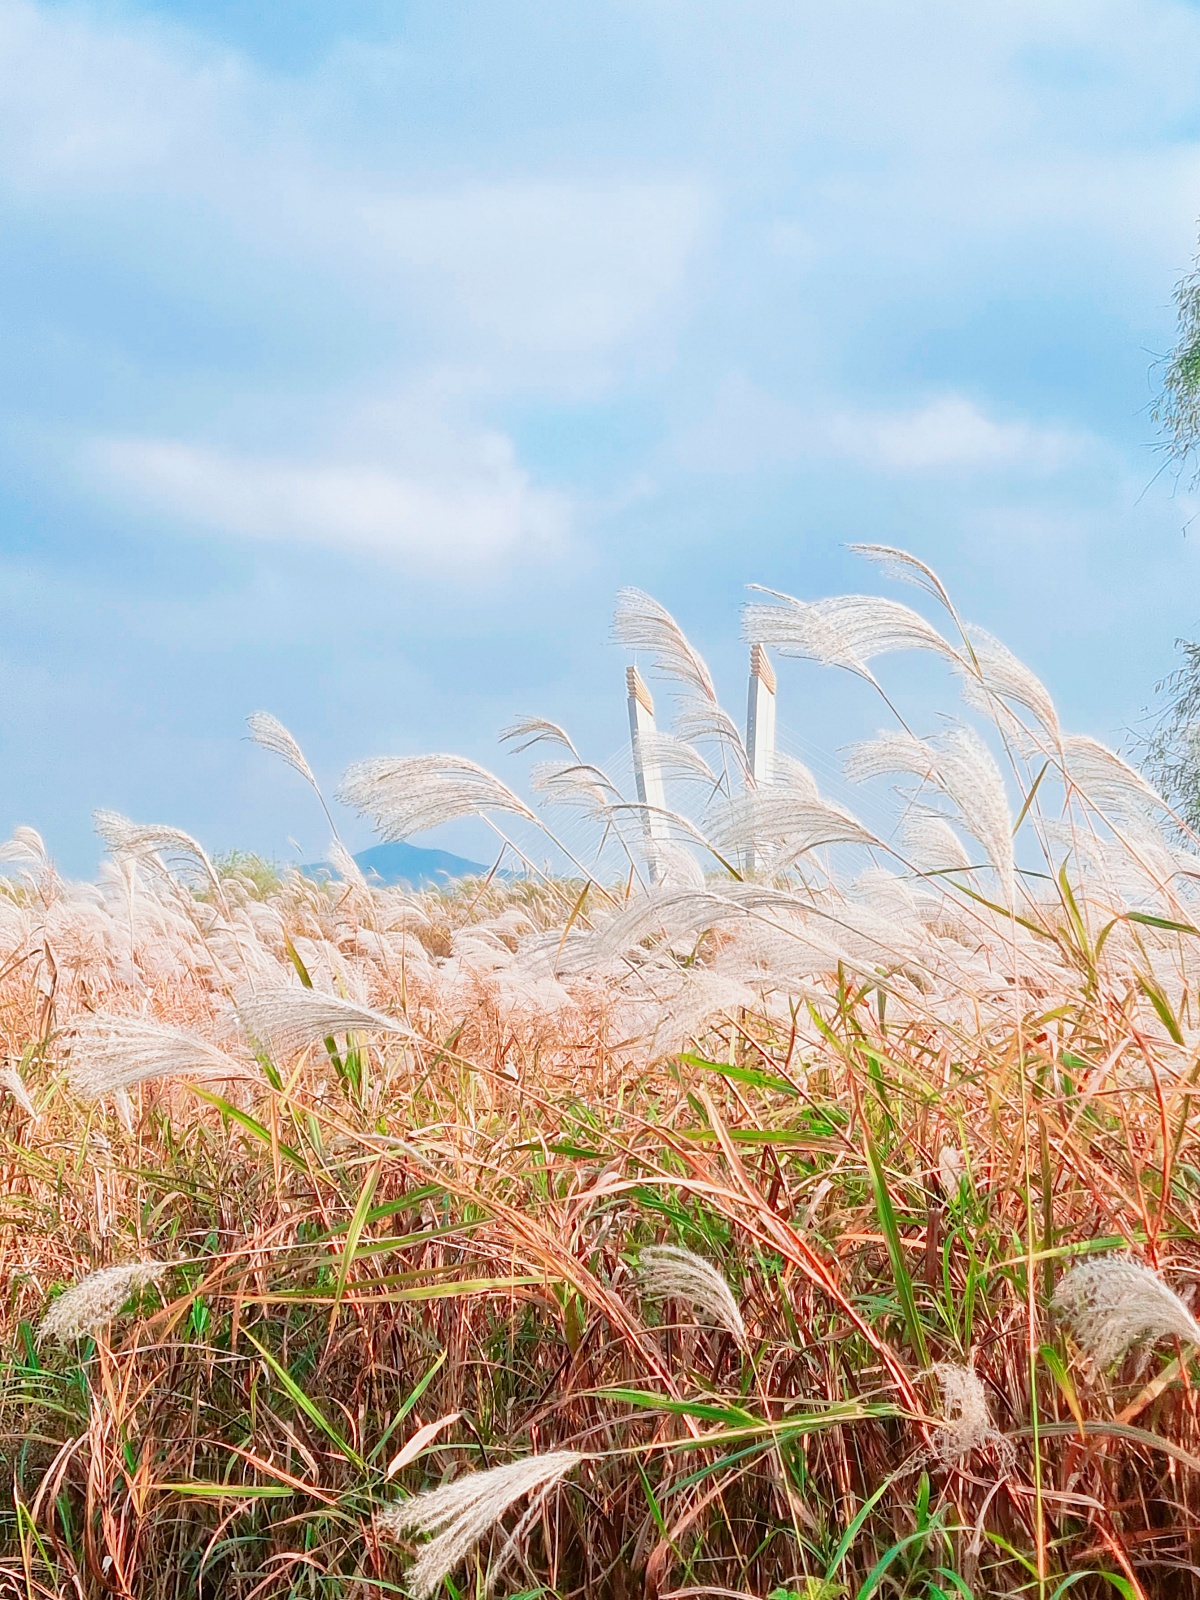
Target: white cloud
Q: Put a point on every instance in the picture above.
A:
(190, 143)
(447, 522)
(748, 429)
(950, 433)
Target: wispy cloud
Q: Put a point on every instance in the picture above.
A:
(748, 429)
(485, 511)
(949, 433)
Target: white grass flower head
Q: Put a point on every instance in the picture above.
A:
(845, 631)
(906, 568)
(344, 864)
(952, 1171)
(26, 846)
(993, 670)
(12, 1081)
(144, 841)
(409, 794)
(287, 1018)
(964, 769)
(113, 1053)
(459, 1514)
(641, 623)
(1108, 781)
(271, 734)
(1113, 1303)
(966, 1423)
(525, 732)
(668, 1272)
(83, 1309)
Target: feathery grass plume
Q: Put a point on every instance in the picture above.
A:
(906, 569)
(845, 631)
(459, 1514)
(525, 732)
(966, 1423)
(12, 1080)
(287, 1018)
(409, 794)
(1114, 1302)
(112, 1053)
(344, 864)
(704, 720)
(27, 845)
(271, 734)
(641, 623)
(84, 1308)
(1108, 781)
(576, 783)
(964, 769)
(786, 817)
(931, 844)
(668, 1272)
(143, 841)
(995, 671)
(678, 760)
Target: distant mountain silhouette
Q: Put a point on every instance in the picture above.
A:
(405, 864)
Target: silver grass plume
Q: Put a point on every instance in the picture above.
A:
(703, 720)
(525, 732)
(576, 783)
(409, 794)
(459, 1514)
(271, 734)
(84, 1308)
(678, 760)
(931, 845)
(844, 631)
(964, 769)
(788, 817)
(143, 841)
(907, 569)
(641, 623)
(12, 1080)
(1107, 780)
(113, 1053)
(1114, 1302)
(287, 1018)
(966, 1422)
(344, 864)
(26, 845)
(668, 1272)
(996, 671)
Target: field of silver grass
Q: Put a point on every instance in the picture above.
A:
(772, 1197)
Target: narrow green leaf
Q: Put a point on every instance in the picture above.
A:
(357, 1223)
(895, 1244)
(309, 1407)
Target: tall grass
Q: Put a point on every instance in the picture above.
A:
(823, 1230)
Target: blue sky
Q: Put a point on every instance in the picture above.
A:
(351, 356)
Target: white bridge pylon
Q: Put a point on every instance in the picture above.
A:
(647, 770)
(760, 728)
